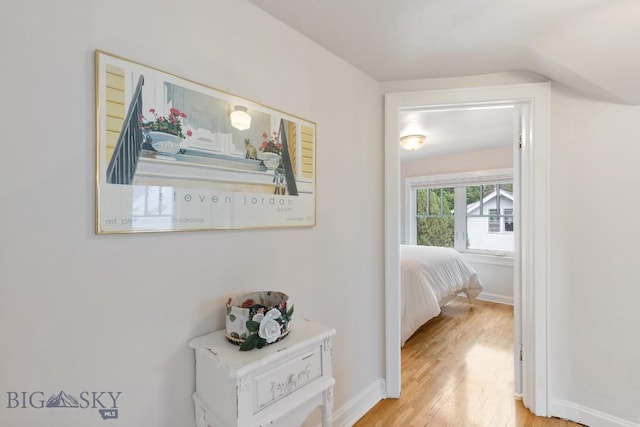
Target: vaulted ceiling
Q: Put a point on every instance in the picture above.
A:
(590, 45)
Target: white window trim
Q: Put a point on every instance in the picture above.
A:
(451, 180)
(470, 177)
(493, 259)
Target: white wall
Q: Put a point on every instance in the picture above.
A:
(81, 312)
(496, 158)
(496, 275)
(594, 293)
(594, 350)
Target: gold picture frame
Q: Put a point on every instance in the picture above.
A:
(175, 155)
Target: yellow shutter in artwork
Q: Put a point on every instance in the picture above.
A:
(306, 137)
(292, 140)
(114, 106)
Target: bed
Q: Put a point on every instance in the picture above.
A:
(431, 276)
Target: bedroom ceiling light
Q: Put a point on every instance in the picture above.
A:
(412, 142)
(240, 119)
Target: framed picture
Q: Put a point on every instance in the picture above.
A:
(174, 155)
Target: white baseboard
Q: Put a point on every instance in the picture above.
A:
(500, 299)
(354, 409)
(351, 411)
(587, 416)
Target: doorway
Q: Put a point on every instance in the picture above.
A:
(531, 266)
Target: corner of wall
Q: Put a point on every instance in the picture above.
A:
(356, 407)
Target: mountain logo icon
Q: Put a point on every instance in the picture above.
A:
(62, 400)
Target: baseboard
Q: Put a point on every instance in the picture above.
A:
(587, 416)
(354, 409)
(500, 299)
(351, 411)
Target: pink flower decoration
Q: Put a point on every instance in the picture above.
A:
(171, 124)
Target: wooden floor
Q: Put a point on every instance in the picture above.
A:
(457, 370)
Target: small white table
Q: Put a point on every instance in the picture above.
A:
(264, 386)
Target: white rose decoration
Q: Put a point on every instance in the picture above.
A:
(269, 327)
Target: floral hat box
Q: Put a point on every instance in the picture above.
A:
(258, 318)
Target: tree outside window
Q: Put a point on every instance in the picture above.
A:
(434, 216)
(484, 223)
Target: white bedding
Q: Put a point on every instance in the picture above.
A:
(431, 276)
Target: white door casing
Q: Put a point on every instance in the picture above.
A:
(531, 260)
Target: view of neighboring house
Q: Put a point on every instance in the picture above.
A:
(490, 222)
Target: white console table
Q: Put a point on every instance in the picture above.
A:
(263, 386)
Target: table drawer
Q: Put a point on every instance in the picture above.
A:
(285, 379)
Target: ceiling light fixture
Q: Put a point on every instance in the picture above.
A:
(412, 142)
(240, 119)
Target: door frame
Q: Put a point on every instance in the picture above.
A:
(531, 299)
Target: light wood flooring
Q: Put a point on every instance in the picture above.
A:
(457, 370)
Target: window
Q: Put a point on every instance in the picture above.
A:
(434, 216)
(508, 220)
(468, 216)
(494, 221)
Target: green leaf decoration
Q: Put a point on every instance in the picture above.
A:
(247, 345)
(243, 336)
(228, 310)
(290, 312)
(252, 341)
(234, 335)
(253, 326)
(232, 317)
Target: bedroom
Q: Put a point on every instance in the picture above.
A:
(458, 193)
(464, 147)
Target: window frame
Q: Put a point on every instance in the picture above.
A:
(479, 177)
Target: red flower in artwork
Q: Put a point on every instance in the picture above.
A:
(269, 145)
(172, 124)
